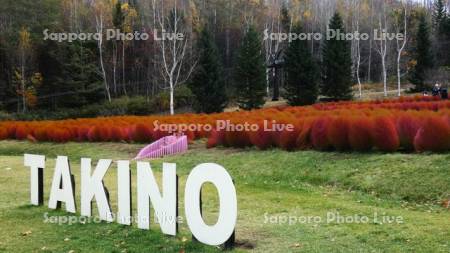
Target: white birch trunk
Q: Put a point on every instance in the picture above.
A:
(99, 21)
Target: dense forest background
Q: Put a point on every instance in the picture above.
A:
(43, 76)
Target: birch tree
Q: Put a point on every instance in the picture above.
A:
(24, 48)
(356, 44)
(382, 46)
(401, 45)
(173, 50)
(99, 26)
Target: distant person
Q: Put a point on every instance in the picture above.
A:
(436, 90)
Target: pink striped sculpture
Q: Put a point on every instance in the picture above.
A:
(168, 145)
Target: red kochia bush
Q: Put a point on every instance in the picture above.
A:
(94, 134)
(22, 132)
(105, 133)
(385, 135)
(288, 139)
(338, 131)
(350, 128)
(407, 127)
(158, 134)
(261, 139)
(141, 133)
(41, 134)
(117, 134)
(11, 130)
(319, 136)
(237, 139)
(360, 134)
(190, 135)
(434, 135)
(304, 137)
(3, 133)
(82, 133)
(59, 135)
(215, 139)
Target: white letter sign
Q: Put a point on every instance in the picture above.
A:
(164, 200)
(62, 186)
(224, 228)
(37, 165)
(92, 186)
(165, 204)
(124, 192)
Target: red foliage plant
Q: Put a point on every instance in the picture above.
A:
(338, 133)
(288, 139)
(117, 134)
(261, 139)
(238, 139)
(434, 135)
(407, 127)
(215, 139)
(94, 134)
(304, 137)
(342, 125)
(82, 133)
(141, 133)
(22, 132)
(360, 138)
(11, 129)
(190, 135)
(105, 134)
(41, 133)
(59, 135)
(385, 135)
(319, 136)
(3, 133)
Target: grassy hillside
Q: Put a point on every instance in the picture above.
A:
(271, 185)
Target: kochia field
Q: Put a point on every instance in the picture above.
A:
(410, 124)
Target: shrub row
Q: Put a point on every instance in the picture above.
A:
(345, 133)
(382, 125)
(138, 105)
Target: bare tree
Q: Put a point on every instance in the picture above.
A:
(369, 66)
(173, 51)
(382, 46)
(356, 44)
(99, 25)
(272, 25)
(401, 46)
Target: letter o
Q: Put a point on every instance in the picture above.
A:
(224, 228)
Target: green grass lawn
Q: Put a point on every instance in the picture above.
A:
(270, 184)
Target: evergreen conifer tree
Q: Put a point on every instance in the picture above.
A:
(302, 73)
(441, 29)
(439, 16)
(337, 64)
(250, 72)
(423, 57)
(208, 84)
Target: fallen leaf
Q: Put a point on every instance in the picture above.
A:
(296, 245)
(26, 233)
